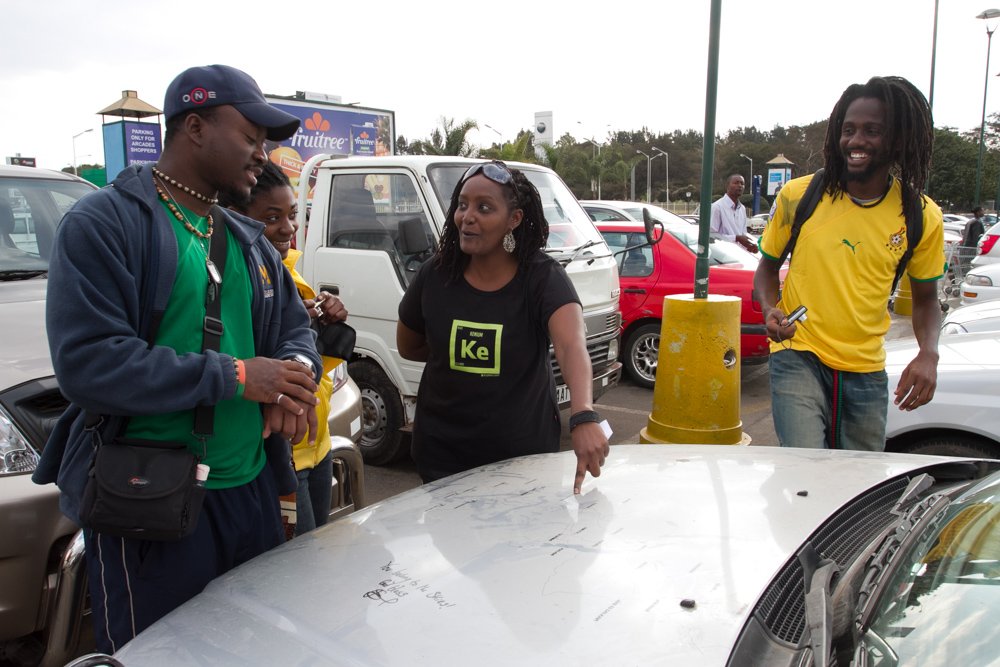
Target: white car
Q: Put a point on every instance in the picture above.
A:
(989, 247)
(634, 209)
(955, 223)
(676, 555)
(975, 317)
(981, 283)
(963, 419)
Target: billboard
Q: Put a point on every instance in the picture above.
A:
(336, 129)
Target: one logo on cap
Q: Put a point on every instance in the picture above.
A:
(198, 96)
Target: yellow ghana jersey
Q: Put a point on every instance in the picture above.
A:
(842, 269)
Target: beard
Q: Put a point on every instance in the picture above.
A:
(876, 162)
(240, 199)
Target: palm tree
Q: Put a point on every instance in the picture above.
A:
(449, 139)
(520, 150)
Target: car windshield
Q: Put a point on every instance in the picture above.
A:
(939, 604)
(569, 224)
(719, 252)
(30, 210)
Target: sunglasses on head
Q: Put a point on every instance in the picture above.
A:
(495, 171)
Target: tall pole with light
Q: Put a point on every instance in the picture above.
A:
(596, 156)
(749, 182)
(666, 170)
(990, 16)
(79, 134)
(649, 173)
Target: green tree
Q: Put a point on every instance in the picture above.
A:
(449, 139)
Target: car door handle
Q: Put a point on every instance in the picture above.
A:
(634, 290)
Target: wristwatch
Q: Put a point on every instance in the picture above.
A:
(305, 361)
(582, 417)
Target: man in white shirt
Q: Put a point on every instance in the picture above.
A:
(729, 216)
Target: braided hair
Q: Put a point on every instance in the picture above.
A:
(530, 236)
(908, 138)
(270, 178)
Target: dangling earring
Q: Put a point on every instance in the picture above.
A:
(508, 242)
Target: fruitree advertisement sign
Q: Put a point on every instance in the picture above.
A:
(337, 129)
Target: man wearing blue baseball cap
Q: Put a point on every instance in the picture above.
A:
(129, 278)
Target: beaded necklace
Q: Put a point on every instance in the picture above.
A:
(211, 201)
(213, 271)
(179, 214)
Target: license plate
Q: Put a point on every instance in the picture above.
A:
(562, 394)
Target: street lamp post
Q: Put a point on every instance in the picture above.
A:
(596, 156)
(990, 16)
(666, 179)
(750, 182)
(649, 172)
(80, 134)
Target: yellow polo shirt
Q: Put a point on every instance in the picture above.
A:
(842, 270)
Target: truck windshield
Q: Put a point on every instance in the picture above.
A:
(569, 225)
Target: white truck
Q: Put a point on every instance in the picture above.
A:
(374, 220)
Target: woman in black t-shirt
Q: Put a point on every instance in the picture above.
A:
(481, 314)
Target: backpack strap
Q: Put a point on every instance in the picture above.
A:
(805, 208)
(913, 213)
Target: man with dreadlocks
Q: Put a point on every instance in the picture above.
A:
(828, 382)
(481, 314)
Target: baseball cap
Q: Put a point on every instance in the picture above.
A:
(217, 85)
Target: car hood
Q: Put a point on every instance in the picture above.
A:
(24, 354)
(658, 562)
(968, 383)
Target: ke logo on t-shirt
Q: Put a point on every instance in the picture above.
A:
(475, 347)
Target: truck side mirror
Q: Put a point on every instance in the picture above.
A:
(412, 239)
(654, 229)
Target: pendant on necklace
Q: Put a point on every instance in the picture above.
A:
(213, 271)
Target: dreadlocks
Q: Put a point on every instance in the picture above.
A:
(530, 235)
(908, 138)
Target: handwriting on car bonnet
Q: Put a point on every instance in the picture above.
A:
(396, 584)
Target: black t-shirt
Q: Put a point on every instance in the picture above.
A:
(487, 392)
(974, 229)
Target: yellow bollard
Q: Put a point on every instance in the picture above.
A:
(696, 398)
(902, 303)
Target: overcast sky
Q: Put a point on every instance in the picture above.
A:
(618, 64)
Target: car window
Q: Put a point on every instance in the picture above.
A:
(719, 252)
(30, 211)
(635, 262)
(381, 212)
(605, 215)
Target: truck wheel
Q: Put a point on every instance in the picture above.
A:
(381, 414)
(641, 351)
(953, 445)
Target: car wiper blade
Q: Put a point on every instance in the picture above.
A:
(565, 261)
(22, 274)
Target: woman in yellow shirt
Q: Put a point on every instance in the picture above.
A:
(272, 202)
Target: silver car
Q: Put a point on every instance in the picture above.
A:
(676, 555)
(42, 579)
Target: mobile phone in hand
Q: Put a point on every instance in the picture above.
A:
(797, 314)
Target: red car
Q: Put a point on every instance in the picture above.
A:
(648, 273)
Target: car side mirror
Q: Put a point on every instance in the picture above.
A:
(654, 229)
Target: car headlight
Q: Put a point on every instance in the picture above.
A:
(953, 328)
(977, 280)
(339, 375)
(16, 453)
(613, 349)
